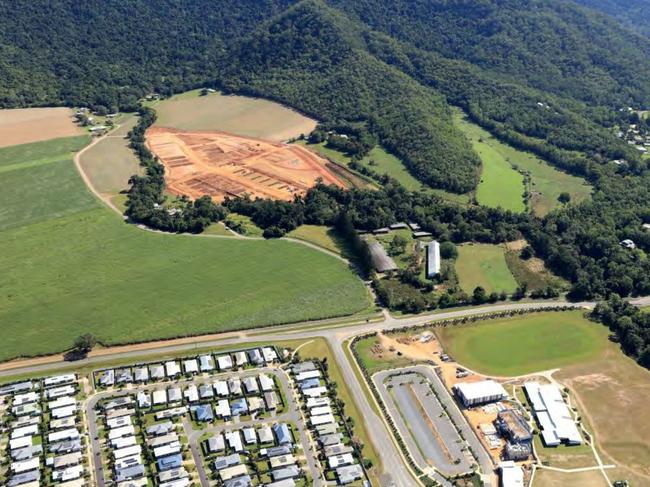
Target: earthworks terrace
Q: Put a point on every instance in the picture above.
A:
(221, 164)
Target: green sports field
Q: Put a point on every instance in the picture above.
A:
(502, 185)
(484, 265)
(71, 266)
(525, 344)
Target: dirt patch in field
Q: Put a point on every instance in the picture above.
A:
(24, 125)
(219, 164)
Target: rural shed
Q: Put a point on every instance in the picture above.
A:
(482, 392)
(433, 259)
(380, 259)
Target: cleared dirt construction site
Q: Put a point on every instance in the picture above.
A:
(24, 125)
(220, 164)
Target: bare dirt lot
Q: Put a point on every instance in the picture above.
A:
(220, 164)
(24, 125)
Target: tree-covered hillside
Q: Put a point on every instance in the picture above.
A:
(552, 45)
(549, 76)
(634, 13)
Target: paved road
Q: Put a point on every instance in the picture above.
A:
(399, 475)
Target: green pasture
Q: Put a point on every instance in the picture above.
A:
(501, 184)
(484, 265)
(525, 344)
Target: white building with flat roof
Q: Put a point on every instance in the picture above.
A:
(553, 415)
(512, 474)
(482, 392)
(433, 259)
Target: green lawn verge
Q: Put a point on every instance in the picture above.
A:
(484, 265)
(525, 344)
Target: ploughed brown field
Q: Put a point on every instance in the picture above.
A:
(220, 164)
(24, 125)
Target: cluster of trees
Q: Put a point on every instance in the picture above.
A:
(146, 198)
(352, 139)
(630, 326)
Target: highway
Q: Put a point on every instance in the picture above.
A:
(397, 473)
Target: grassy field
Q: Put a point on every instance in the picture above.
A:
(499, 159)
(322, 236)
(253, 117)
(550, 478)
(484, 265)
(110, 163)
(375, 363)
(532, 272)
(244, 225)
(382, 162)
(72, 266)
(525, 344)
(612, 382)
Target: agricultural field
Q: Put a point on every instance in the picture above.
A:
(502, 184)
(524, 344)
(240, 115)
(110, 162)
(25, 125)
(220, 164)
(44, 168)
(484, 265)
(609, 382)
(71, 266)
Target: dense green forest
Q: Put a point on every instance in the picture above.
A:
(633, 13)
(549, 76)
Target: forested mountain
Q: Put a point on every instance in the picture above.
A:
(634, 13)
(549, 76)
(551, 45)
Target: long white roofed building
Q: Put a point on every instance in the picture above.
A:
(553, 415)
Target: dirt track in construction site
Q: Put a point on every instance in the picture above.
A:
(220, 164)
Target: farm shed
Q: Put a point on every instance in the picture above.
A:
(380, 259)
(433, 259)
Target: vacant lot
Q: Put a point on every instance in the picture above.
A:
(524, 344)
(24, 125)
(613, 394)
(484, 265)
(241, 115)
(220, 164)
(110, 163)
(71, 266)
(499, 183)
